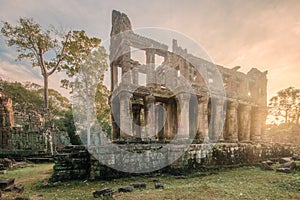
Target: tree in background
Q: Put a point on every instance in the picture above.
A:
(286, 105)
(90, 95)
(48, 49)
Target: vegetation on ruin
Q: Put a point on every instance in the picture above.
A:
(240, 183)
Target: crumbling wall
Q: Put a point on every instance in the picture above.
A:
(74, 162)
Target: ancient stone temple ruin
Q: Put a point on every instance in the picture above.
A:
(22, 131)
(215, 115)
(242, 104)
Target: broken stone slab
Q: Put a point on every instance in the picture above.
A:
(19, 188)
(139, 185)
(4, 183)
(3, 171)
(125, 189)
(284, 160)
(159, 186)
(283, 170)
(103, 192)
(290, 165)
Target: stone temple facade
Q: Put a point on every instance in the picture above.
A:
(234, 112)
(22, 131)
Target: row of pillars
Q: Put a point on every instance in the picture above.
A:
(239, 122)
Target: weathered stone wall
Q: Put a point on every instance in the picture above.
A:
(71, 163)
(31, 140)
(28, 119)
(74, 162)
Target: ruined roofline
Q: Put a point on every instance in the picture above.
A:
(121, 24)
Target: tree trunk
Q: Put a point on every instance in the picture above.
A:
(46, 93)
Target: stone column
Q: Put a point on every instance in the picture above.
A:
(149, 103)
(231, 122)
(136, 111)
(263, 123)
(135, 75)
(114, 75)
(125, 62)
(202, 132)
(218, 119)
(256, 124)
(125, 115)
(115, 118)
(184, 129)
(244, 118)
(150, 68)
(169, 120)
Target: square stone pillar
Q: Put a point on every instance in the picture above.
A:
(184, 129)
(231, 122)
(217, 119)
(244, 118)
(135, 75)
(125, 115)
(114, 75)
(202, 132)
(150, 116)
(256, 124)
(136, 112)
(150, 68)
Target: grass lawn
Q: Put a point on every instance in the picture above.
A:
(241, 183)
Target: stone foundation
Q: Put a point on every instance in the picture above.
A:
(74, 162)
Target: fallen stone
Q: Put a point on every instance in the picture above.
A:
(139, 185)
(3, 171)
(283, 170)
(265, 166)
(4, 183)
(296, 157)
(269, 162)
(125, 189)
(284, 160)
(290, 165)
(103, 192)
(159, 186)
(19, 188)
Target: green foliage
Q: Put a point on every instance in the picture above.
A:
(66, 123)
(49, 49)
(286, 105)
(22, 96)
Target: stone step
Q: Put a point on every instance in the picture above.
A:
(40, 159)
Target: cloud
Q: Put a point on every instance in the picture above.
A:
(263, 34)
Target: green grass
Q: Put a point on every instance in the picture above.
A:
(241, 183)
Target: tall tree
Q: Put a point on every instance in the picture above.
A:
(89, 94)
(286, 104)
(48, 49)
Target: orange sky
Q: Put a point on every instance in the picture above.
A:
(262, 34)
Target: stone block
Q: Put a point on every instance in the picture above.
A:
(102, 193)
(284, 170)
(4, 183)
(159, 185)
(284, 160)
(139, 185)
(290, 165)
(125, 189)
